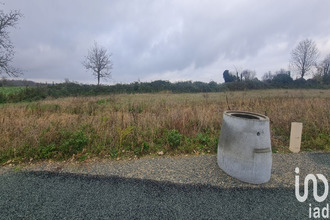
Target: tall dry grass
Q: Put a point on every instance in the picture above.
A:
(128, 125)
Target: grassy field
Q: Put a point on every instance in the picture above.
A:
(133, 125)
(10, 90)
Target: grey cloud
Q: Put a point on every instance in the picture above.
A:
(154, 38)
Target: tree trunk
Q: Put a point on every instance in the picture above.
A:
(303, 71)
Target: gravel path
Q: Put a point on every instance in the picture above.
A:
(155, 188)
(193, 170)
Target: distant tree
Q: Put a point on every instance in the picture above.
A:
(3, 81)
(99, 61)
(6, 46)
(248, 75)
(318, 76)
(325, 65)
(324, 68)
(228, 77)
(213, 86)
(237, 76)
(268, 76)
(282, 79)
(326, 79)
(304, 57)
(67, 80)
(283, 71)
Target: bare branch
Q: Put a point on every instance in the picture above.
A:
(6, 46)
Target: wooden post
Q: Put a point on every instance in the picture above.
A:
(295, 137)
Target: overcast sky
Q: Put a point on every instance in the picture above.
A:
(163, 39)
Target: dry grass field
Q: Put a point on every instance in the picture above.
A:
(133, 125)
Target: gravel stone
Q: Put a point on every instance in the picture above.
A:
(193, 170)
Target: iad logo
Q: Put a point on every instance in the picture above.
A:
(315, 212)
(314, 180)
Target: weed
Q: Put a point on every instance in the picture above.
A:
(141, 150)
(174, 138)
(203, 139)
(113, 152)
(98, 149)
(83, 157)
(47, 151)
(74, 143)
(101, 102)
(123, 133)
(18, 168)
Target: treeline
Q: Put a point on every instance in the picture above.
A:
(40, 92)
(17, 82)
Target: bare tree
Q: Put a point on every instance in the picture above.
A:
(325, 65)
(99, 61)
(268, 76)
(248, 74)
(304, 57)
(237, 76)
(6, 46)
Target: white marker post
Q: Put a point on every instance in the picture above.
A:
(295, 136)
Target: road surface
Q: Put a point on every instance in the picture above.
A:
(54, 194)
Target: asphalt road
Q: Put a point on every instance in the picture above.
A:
(52, 195)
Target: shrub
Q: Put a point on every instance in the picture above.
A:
(282, 79)
(74, 143)
(3, 98)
